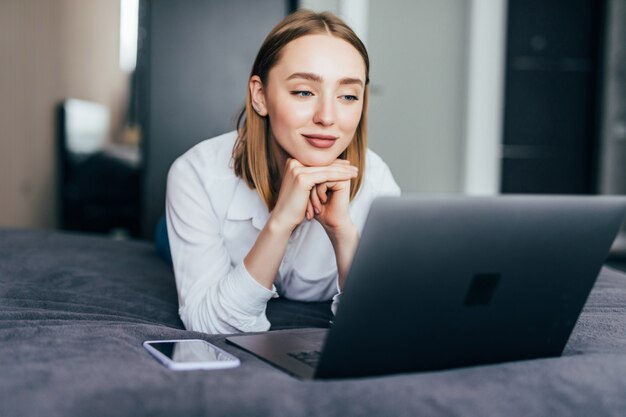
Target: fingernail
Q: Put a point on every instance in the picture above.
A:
(317, 211)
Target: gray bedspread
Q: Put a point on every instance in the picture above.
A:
(75, 309)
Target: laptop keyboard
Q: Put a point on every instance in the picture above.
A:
(310, 358)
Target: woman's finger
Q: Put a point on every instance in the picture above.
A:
(331, 185)
(314, 199)
(335, 167)
(321, 192)
(329, 174)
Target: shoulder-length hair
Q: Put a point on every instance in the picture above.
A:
(253, 160)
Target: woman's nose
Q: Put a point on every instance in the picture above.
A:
(324, 112)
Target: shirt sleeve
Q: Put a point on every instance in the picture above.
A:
(214, 295)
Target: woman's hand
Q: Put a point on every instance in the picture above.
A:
(329, 202)
(295, 196)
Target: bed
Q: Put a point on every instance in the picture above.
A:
(75, 309)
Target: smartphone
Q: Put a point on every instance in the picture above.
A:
(188, 354)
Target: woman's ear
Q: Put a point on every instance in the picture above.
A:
(257, 94)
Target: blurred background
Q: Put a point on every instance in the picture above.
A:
(98, 97)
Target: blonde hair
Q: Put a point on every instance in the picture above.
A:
(253, 160)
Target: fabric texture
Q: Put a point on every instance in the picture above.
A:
(75, 309)
(214, 219)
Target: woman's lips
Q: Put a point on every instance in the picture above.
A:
(320, 141)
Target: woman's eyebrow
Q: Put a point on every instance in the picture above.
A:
(306, 76)
(318, 79)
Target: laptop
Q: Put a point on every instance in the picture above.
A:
(446, 282)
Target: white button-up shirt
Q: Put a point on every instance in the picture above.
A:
(214, 219)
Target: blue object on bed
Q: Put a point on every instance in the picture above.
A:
(162, 241)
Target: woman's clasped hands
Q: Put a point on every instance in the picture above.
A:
(320, 192)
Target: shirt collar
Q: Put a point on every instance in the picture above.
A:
(247, 204)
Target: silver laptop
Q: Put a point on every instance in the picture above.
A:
(444, 282)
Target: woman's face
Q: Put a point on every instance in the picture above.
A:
(314, 98)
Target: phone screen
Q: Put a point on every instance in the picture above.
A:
(191, 351)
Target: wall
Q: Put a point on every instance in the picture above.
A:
(613, 149)
(485, 96)
(49, 50)
(417, 50)
(612, 178)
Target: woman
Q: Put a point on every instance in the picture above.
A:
(276, 207)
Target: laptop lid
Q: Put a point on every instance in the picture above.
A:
(442, 282)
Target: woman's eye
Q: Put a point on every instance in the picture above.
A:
(350, 98)
(302, 93)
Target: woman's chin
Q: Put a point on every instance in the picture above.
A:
(317, 159)
(317, 162)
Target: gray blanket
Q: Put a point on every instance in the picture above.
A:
(75, 309)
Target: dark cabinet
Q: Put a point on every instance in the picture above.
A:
(552, 96)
